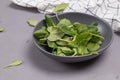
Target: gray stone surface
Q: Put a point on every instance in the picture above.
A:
(16, 43)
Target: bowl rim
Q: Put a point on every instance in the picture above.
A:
(46, 52)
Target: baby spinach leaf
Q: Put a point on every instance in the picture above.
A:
(49, 21)
(82, 50)
(97, 35)
(61, 7)
(94, 24)
(67, 51)
(99, 42)
(67, 30)
(32, 22)
(92, 27)
(95, 39)
(80, 27)
(15, 63)
(93, 47)
(65, 22)
(68, 38)
(82, 47)
(59, 51)
(55, 33)
(1, 29)
(80, 42)
(51, 44)
(80, 39)
(61, 43)
(62, 54)
(54, 51)
(41, 33)
(75, 52)
(42, 41)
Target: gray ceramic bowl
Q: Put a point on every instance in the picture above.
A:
(103, 27)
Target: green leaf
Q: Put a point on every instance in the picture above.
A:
(82, 42)
(93, 47)
(84, 36)
(62, 54)
(67, 30)
(59, 51)
(65, 22)
(82, 49)
(32, 22)
(80, 39)
(99, 42)
(95, 39)
(54, 51)
(1, 29)
(55, 33)
(80, 27)
(61, 7)
(41, 33)
(92, 28)
(42, 41)
(15, 63)
(94, 23)
(67, 51)
(49, 21)
(74, 42)
(75, 52)
(61, 43)
(51, 44)
(98, 35)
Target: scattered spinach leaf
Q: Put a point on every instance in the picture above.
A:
(32, 22)
(1, 29)
(15, 63)
(61, 7)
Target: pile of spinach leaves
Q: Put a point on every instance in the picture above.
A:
(67, 39)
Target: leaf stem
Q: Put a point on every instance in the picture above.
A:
(57, 17)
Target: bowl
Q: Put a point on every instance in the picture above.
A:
(103, 27)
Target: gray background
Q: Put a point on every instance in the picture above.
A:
(16, 43)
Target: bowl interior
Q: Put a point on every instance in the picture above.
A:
(103, 27)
